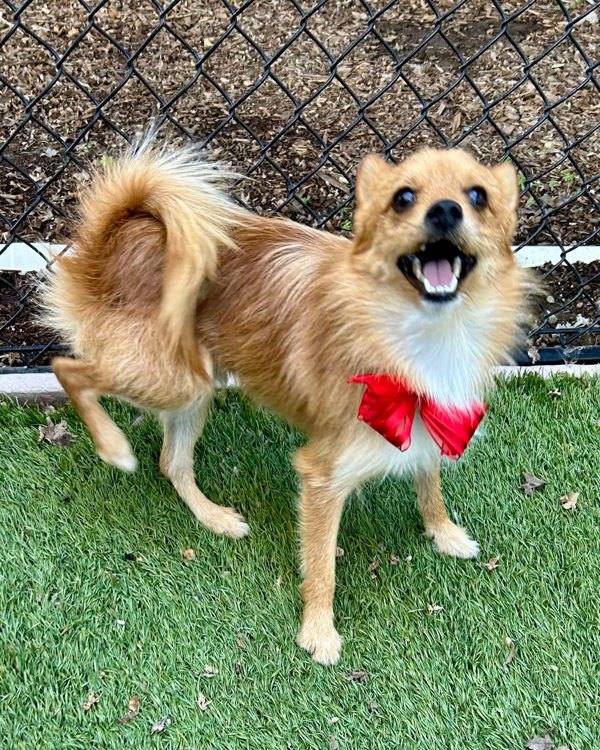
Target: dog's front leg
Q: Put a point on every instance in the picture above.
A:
(321, 508)
(448, 538)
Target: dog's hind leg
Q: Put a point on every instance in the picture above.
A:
(182, 429)
(84, 387)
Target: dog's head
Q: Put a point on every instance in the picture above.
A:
(437, 225)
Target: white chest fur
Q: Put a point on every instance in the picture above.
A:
(445, 350)
(371, 455)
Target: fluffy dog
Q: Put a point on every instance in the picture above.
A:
(170, 284)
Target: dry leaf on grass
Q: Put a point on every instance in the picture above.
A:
(569, 501)
(241, 642)
(492, 563)
(133, 710)
(188, 554)
(160, 725)
(531, 483)
(394, 560)
(540, 743)
(333, 743)
(373, 566)
(555, 393)
(339, 552)
(210, 671)
(357, 675)
(203, 702)
(431, 608)
(55, 434)
(512, 651)
(92, 700)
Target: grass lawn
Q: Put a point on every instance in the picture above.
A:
(97, 599)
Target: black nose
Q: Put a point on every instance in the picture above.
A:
(444, 216)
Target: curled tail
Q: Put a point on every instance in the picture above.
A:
(169, 202)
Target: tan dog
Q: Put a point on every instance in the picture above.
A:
(169, 283)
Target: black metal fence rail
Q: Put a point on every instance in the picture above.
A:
(293, 94)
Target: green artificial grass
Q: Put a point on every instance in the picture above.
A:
(97, 598)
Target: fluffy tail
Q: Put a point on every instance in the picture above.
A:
(184, 195)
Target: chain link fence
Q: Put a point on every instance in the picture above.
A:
(294, 94)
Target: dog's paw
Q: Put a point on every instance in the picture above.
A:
(453, 540)
(228, 522)
(321, 640)
(118, 453)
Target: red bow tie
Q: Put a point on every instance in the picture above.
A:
(388, 405)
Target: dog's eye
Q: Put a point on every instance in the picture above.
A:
(404, 198)
(477, 196)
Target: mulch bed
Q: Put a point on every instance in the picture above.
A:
(19, 328)
(42, 130)
(570, 305)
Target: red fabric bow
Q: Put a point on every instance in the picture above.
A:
(388, 405)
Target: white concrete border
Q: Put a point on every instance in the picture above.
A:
(31, 386)
(544, 371)
(43, 386)
(19, 256)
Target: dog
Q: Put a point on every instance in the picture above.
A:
(380, 348)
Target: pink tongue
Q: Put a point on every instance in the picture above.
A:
(438, 272)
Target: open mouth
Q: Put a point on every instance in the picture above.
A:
(437, 270)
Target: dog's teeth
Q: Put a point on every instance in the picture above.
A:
(457, 267)
(451, 287)
(441, 288)
(416, 269)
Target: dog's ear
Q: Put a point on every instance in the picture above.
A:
(371, 173)
(371, 194)
(506, 175)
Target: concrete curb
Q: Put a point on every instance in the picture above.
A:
(27, 387)
(33, 387)
(546, 371)
(35, 256)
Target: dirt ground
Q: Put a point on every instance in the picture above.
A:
(295, 99)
